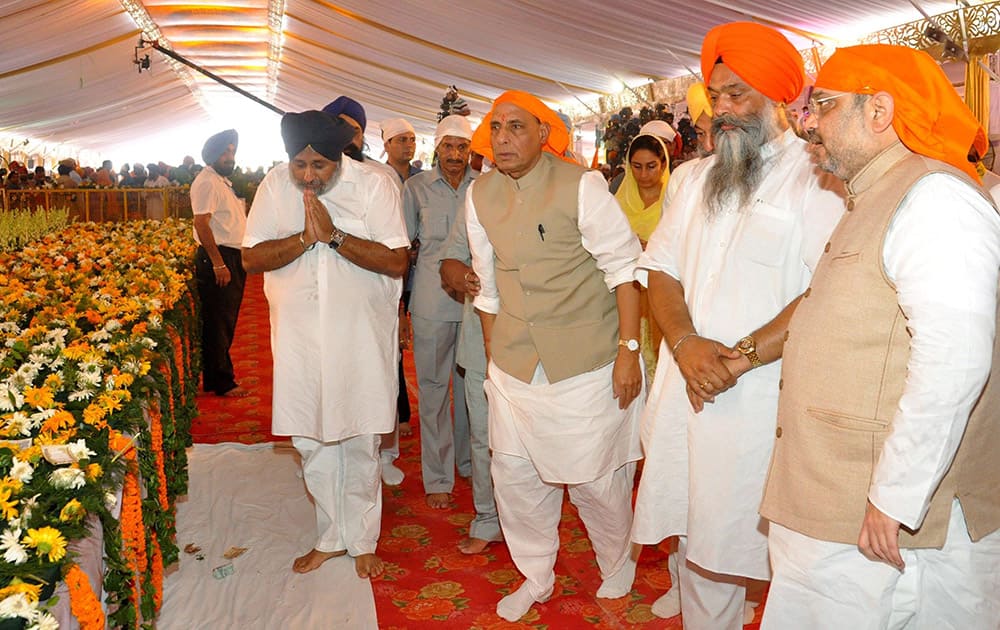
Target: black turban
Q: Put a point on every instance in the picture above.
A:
(326, 135)
(216, 145)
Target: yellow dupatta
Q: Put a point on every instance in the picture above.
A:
(641, 217)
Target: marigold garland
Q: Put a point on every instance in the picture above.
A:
(156, 443)
(83, 602)
(157, 568)
(133, 531)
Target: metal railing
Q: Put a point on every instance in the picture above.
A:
(104, 204)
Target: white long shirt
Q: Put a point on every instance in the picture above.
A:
(213, 194)
(333, 324)
(942, 251)
(704, 473)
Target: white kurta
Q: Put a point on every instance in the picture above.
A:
(333, 324)
(704, 473)
(549, 423)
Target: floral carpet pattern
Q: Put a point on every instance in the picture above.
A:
(428, 583)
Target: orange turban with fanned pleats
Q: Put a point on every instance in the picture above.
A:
(558, 140)
(929, 116)
(759, 55)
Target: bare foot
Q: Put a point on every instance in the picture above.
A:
(368, 565)
(438, 500)
(236, 392)
(405, 430)
(471, 546)
(312, 560)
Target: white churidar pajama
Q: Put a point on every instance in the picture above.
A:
(945, 269)
(334, 339)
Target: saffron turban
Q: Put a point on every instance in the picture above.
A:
(394, 127)
(326, 135)
(698, 102)
(557, 142)
(929, 116)
(759, 55)
(350, 108)
(216, 145)
(659, 128)
(454, 125)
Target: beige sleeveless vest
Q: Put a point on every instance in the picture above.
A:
(843, 373)
(554, 305)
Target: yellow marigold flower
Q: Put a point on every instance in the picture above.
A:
(48, 541)
(31, 454)
(94, 413)
(109, 402)
(93, 471)
(17, 586)
(124, 380)
(39, 397)
(72, 511)
(8, 505)
(144, 368)
(53, 381)
(61, 420)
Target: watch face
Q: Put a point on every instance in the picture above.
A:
(746, 345)
(632, 345)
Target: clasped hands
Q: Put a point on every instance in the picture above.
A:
(709, 369)
(318, 224)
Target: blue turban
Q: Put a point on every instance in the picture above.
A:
(349, 107)
(326, 135)
(216, 145)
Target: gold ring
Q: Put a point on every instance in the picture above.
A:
(705, 385)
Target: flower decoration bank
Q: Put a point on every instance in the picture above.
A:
(97, 392)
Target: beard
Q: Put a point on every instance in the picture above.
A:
(318, 186)
(224, 168)
(739, 164)
(354, 152)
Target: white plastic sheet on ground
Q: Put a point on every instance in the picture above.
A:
(252, 496)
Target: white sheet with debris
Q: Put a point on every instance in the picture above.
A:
(254, 497)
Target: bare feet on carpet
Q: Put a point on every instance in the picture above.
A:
(236, 392)
(471, 546)
(405, 430)
(368, 565)
(312, 560)
(438, 500)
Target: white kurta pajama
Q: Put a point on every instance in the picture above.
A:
(334, 332)
(570, 432)
(704, 473)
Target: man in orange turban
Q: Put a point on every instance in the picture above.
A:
(555, 258)
(728, 261)
(882, 493)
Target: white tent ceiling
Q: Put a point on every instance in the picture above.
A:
(68, 81)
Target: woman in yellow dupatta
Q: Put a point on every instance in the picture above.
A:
(641, 199)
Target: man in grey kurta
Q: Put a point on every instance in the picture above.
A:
(430, 201)
(457, 275)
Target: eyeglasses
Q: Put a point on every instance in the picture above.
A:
(822, 105)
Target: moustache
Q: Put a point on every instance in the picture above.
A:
(737, 123)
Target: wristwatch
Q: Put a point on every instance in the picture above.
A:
(629, 344)
(748, 348)
(337, 238)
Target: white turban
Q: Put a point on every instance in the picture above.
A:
(660, 129)
(453, 125)
(394, 127)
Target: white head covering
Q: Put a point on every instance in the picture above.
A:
(453, 125)
(660, 129)
(394, 127)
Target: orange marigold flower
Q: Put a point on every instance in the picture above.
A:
(39, 397)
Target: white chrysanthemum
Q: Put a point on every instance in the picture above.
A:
(99, 335)
(104, 347)
(149, 343)
(78, 450)
(27, 508)
(57, 334)
(81, 394)
(112, 325)
(110, 501)
(88, 378)
(14, 551)
(63, 478)
(18, 424)
(11, 328)
(10, 399)
(44, 621)
(155, 321)
(22, 471)
(17, 605)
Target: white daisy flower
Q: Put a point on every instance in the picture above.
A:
(63, 478)
(22, 471)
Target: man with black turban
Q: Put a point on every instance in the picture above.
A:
(219, 221)
(328, 234)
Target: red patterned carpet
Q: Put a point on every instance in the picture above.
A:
(428, 583)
